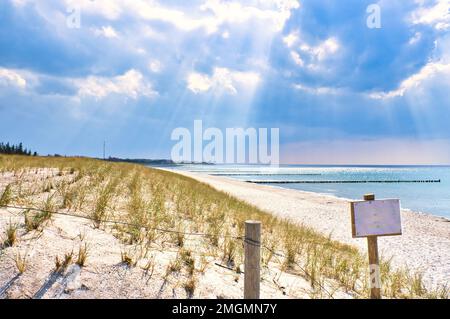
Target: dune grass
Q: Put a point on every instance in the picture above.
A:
(20, 261)
(149, 199)
(11, 234)
(83, 253)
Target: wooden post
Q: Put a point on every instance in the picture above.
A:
(374, 264)
(252, 246)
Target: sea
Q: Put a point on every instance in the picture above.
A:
(424, 189)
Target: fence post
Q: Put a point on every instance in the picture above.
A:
(374, 264)
(252, 246)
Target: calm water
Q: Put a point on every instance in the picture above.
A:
(431, 198)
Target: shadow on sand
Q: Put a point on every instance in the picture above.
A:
(5, 288)
(54, 276)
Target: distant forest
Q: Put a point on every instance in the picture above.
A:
(15, 149)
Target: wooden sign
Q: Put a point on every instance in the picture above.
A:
(376, 218)
(372, 218)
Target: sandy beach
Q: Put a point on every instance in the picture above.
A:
(423, 247)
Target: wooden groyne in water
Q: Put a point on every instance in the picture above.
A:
(340, 182)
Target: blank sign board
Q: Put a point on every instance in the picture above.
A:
(376, 218)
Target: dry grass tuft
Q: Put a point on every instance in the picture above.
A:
(127, 259)
(11, 234)
(61, 265)
(33, 221)
(188, 260)
(20, 262)
(82, 255)
(6, 196)
(190, 286)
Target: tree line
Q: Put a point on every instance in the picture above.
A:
(15, 149)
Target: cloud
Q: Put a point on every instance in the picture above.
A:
(198, 83)
(437, 15)
(110, 9)
(20, 3)
(313, 57)
(317, 90)
(107, 32)
(338, 50)
(319, 52)
(155, 11)
(323, 50)
(415, 39)
(11, 78)
(415, 81)
(274, 13)
(131, 84)
(209, 16)
(297, 59)
(291, 39)
(155, 66)
(222, 79)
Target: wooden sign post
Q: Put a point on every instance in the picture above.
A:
(252, 248)
(372, 218)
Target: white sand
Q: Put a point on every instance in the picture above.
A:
(424, 245)
(104, 276)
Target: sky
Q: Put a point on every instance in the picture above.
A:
(76, 73)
